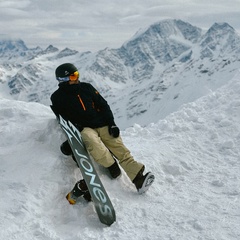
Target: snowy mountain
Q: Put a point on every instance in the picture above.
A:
(160, 68)
(15, 49)
(194, 154)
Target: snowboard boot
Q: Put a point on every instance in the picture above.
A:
(66, 150)
(74, 159)
(114, 170)
(80, 189)
(143, 182)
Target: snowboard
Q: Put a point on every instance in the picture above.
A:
(100, 198)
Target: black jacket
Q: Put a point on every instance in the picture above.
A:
(82, 105)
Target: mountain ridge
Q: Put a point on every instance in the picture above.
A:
(142, 78)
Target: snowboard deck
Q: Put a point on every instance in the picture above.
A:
(100, 198)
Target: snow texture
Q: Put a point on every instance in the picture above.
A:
(194, 154)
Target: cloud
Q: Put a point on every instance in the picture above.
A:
(94, 25)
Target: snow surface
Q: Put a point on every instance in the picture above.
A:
(194, 154)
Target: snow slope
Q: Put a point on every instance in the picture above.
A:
(194, 154)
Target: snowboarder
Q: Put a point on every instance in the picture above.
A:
(81, 103)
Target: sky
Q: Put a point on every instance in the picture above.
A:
(94, 25)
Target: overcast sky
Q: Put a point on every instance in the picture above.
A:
(93, 25)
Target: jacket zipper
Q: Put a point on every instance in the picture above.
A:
(84, 108)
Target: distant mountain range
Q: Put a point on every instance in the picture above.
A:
(151, 75)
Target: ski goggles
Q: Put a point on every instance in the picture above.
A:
(73, 77)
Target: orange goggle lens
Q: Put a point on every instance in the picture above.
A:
(74, 76)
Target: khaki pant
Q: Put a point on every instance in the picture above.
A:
(98, 143)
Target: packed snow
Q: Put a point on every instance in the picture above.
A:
(194, 154)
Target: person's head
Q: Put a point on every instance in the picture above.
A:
(67, 72)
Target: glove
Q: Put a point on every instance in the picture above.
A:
(113, 131)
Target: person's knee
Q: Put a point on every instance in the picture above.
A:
(88, 134)
(65, 148)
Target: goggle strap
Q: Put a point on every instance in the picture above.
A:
(63, 79)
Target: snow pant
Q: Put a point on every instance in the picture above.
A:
(100, 144)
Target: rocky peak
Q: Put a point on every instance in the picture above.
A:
(12, 47)
(163, 41)
(51, 49)
(219, 39)
(66, 52)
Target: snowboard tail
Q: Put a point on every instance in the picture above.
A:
(100, 198)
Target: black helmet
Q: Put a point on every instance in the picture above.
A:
(64, 71)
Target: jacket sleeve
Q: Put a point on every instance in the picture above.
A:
(55, 111)
(57, 106)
